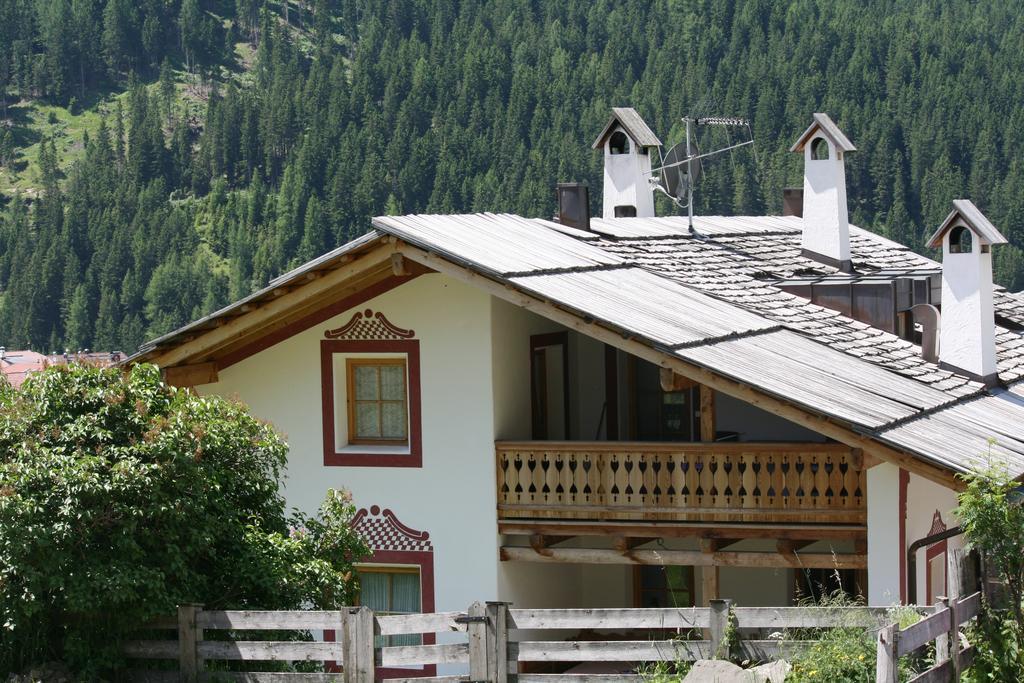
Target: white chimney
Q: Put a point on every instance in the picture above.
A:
(627, 142)
(967, 338)
(826, 234)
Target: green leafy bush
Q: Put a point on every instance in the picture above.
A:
(992, 518)
(121, 497)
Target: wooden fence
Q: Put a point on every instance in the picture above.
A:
(493, 640)
(942, 627)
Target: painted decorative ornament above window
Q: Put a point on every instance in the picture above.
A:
(383, 531)
(367, 325)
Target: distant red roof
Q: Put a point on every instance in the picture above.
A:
(15, 365)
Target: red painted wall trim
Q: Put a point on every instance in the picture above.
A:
(425, 561)
(410, 347)
(314, 318)
(904, 482)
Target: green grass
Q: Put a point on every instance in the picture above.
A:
(32, 121)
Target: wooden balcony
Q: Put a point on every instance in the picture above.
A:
(611, 481)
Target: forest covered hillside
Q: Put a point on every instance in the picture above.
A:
(161, 158)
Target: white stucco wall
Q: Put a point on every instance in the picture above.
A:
(626, 181)
(826, 220)
(924, 498)
(967, 325)
(883, 534)
(452, 496)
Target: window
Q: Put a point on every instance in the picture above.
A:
(371, 403)
(377, 401)
(391, 590)
(618, 143)
(960, 240)
(670, 586)
(819, 149)
(625, 211)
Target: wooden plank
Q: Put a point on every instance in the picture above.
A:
(608, 650)
(190, 375)
(940, 673)
(263, 313)
(429, 679)
(809, 617)
(708, 584)
(670, 381)
(887, 662)
(693, 558)
(969, 607)
(151, 649)
(497, 641)
(672, 529)
(411, 655)
(400, 624)
(358, 644)
(267, 677)
(582, 678)
(924, 632)
(143, 676)
(188, 637)
(707, 413)
(718, 611)
(270, 650)
(597, 618)
(477, 631)
(262, 620)
(695, 447)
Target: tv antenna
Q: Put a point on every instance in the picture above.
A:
(681, 168)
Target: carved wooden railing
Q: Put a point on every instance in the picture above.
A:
(725, 482)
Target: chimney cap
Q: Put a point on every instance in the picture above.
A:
(634, 125)
(829, 129)
(972, 216)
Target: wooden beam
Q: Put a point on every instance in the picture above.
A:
(262, 314)
(777, 406)
(672, 381)
(708, 584)
(398, 265)
(714, 545)
(190, 375)
(542, 544)
(707, 413)
(693, 558)
(625, 543)
(733, 531)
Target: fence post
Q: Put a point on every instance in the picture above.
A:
(476, 629)
(942, 642)
(955, 564)
(887, 666)
(189, 635)
(357, 646)
(497, 642)
(718, 613)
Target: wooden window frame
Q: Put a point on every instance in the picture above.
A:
(363, 455)
(350, 366)
(416, 560)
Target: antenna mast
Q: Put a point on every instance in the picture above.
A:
(672, 182)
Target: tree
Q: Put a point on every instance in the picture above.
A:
(991, 514)
(121, 497)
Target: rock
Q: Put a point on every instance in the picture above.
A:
(50, 672)
(718, 671)
(721, 671)
(772, 672)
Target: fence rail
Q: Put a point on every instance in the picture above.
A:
(494, 639)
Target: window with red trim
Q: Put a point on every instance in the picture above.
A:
(371, 403)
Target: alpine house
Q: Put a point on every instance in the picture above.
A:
(619, 411)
